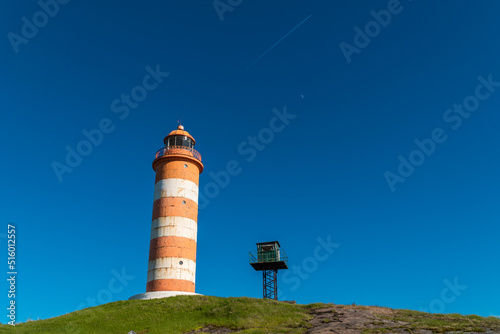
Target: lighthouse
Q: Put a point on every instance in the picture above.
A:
(172, 247)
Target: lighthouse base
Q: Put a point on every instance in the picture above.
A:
(162, 294)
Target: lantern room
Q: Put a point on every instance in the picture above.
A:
(179, 137)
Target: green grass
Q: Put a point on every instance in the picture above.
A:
(175, 315)
(246, 315)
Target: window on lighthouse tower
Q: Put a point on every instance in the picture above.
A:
(180, 141)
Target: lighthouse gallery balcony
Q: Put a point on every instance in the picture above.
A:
(178, 150)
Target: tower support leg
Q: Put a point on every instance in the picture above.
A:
(270, 284)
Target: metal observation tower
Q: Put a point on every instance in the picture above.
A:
(269, 258)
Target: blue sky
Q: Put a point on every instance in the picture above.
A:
(320, 177)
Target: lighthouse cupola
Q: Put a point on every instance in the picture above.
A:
(179, 137)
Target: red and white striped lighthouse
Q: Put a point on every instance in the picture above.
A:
(172, 249)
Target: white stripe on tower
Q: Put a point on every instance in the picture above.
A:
(175, 227)
(175, 187)
(169, 268)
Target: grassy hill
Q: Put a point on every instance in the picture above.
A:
(203, 314)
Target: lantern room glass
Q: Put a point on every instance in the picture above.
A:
(179, 141)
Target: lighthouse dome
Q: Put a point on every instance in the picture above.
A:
(179, 137)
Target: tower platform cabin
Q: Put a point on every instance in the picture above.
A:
(269, 258)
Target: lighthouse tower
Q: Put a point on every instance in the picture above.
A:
(172, 248)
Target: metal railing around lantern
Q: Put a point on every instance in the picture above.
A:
(183, 150)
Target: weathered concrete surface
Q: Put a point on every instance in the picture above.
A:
(347, 319)
(353, 320)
